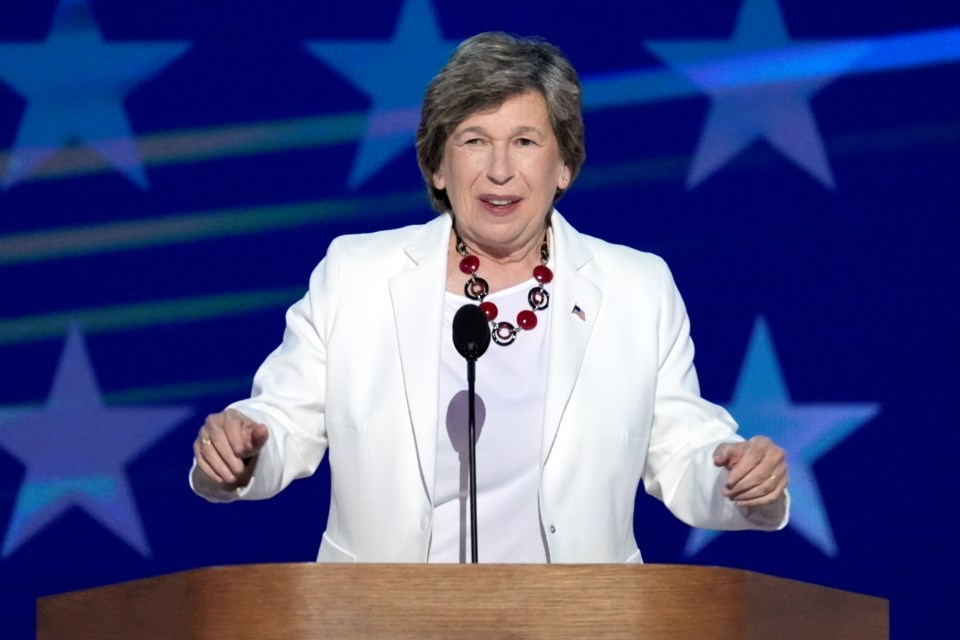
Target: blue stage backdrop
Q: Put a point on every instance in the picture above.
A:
(171, 171)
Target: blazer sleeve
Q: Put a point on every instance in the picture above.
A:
(288, 393)
(686, 429)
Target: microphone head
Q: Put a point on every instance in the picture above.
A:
(471, 331)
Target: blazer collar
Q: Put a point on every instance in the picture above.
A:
(417, 294)
(576, 304)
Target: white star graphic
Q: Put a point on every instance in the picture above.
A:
(761, 405)
(74, 84)
(760, 83)
(75, 450)
(395, 75)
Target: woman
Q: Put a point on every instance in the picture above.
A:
(589, 389)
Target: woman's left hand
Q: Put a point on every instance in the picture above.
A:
(757, 472)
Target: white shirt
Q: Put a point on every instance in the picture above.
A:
(511, 390)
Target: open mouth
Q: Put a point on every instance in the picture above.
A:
(502, 203)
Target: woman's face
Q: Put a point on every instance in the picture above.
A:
(501, 169)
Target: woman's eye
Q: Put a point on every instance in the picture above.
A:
(525, 142)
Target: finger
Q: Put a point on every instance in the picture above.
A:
(204, 465)
(234, 428)
(765, 469)
(221, 442)
(759, 483)
(754, 451)
(223, 429)
(723, 454)
(768, 498)
(258, 438)
(739, 471)
(209, 449)
(772, 465)
(246, 436)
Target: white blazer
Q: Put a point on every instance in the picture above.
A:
(357, 377)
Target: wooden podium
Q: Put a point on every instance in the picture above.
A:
(308, 601)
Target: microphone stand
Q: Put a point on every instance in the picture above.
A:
(472, 457)
(471, 337)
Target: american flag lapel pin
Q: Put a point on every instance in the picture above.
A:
(577, 311)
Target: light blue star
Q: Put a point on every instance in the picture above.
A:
(760, 83)
(75, 451)
(761, 405)
(74, 83)
(395, 75)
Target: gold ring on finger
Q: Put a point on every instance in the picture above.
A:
(206, 440)
(773, 476)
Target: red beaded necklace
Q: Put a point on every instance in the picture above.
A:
(476, 288)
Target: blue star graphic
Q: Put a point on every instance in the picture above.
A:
(761, 405)
(75, 450)
(74, 84)
(760, 83)
(395, 75)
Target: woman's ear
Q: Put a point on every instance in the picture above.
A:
(438, 180)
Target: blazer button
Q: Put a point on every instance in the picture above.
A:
(553, 529)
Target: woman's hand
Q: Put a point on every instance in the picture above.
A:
(226, 448)
(757, 471)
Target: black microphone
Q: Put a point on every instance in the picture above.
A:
(471, 331)
(471, 337)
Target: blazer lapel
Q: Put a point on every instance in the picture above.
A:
(417, 295)
(576, 304)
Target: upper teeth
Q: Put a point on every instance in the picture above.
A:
(499, 202)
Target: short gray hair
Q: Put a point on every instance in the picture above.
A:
(483, 73)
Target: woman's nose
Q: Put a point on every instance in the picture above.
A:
(500, 169)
